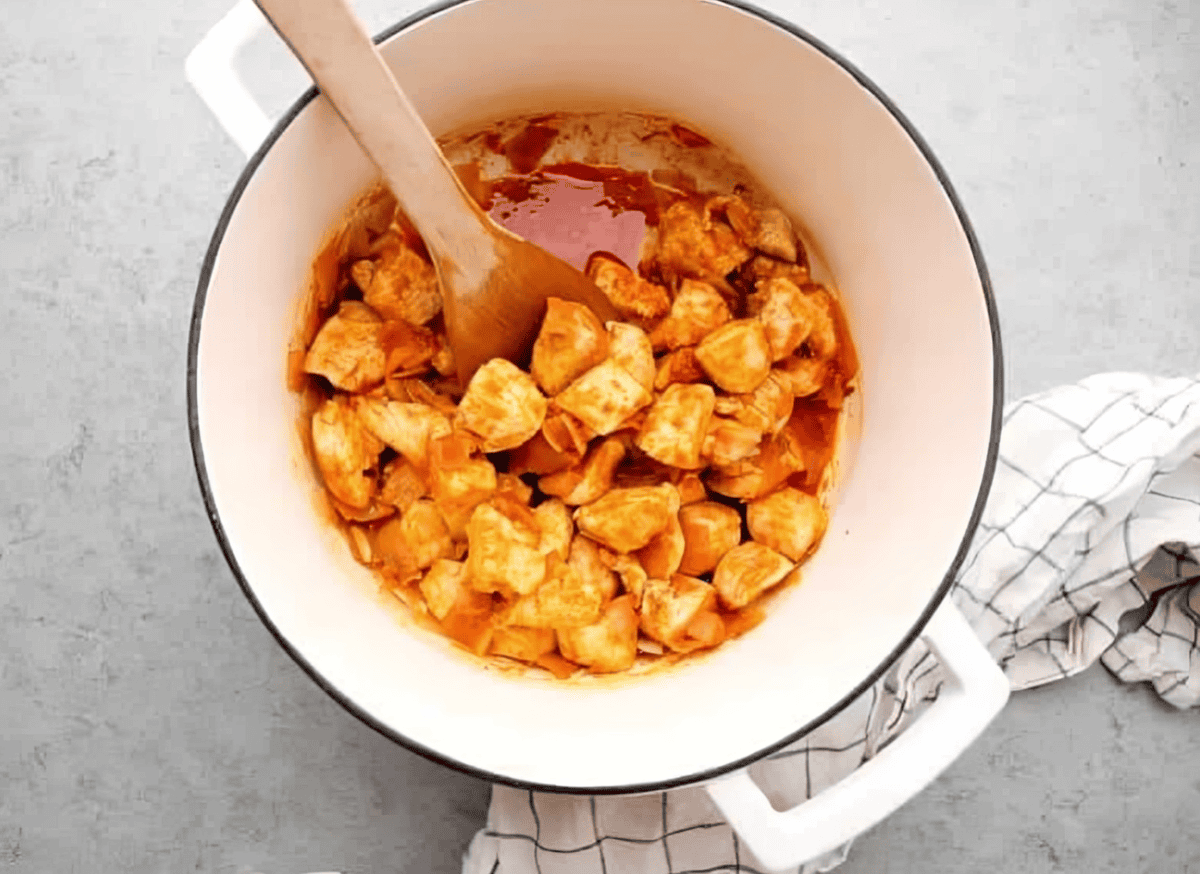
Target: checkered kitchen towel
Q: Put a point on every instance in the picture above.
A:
(1085, 552)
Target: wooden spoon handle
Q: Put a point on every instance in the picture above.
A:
(331, 42)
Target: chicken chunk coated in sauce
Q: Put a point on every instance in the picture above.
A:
(571, 342)
(348, 350)
(626, 519)
(676, 426)
(604, 397)
(502, 405)
(346, 452)
(400, 284)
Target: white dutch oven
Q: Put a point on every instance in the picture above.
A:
(833, 151)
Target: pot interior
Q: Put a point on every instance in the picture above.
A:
(835, 157)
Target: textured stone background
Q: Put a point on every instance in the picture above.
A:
(148, 723)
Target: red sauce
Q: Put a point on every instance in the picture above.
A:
(573, 209)
(571, 216)
(623, 190)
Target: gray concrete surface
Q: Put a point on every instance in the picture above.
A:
(148, 723)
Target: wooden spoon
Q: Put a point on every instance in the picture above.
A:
(494, 283)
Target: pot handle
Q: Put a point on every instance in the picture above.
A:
(209, 69)
(974, 692)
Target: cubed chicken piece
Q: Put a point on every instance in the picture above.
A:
(347, 454)
(760, 474)
(522, 644)
(604, 397)
(520, 513)
(591, 479)
(348, 350)
(566, 434)
(632, 576)
(632, 296)
(661, 556)
(742, 480)
(789, 521)
(442, 585)
(822, 342)
(697, 311)
(562, 483)
(748, 570)
(630, 349)
(470, 621)
(707, 630)
(679, 366)
(788, 316)
(367, 222)
(626, 519)
(728, 440)
(502, 405)
(816, 311)
(408, 348)
(691, 243)
(768, 407)
(736, 356)
(774, 235)
(592, 562)
(571, 342)
(414, 540)
(565, 599)
(406, 428)
(404, 286)
(709, 531)
(608, 645)
(761, 268)
(736, 212)
(503, 556)
(555, 528)
(457, 490)
(691, 488)
(670, 607)
(425, 531)
(512, 485)
(402, 484)
(361, 272)
(767, 230)
(676, 425)
(453, 450)
(804, 376)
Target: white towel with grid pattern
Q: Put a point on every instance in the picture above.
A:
(1086, 552)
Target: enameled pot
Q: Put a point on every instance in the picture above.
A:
(836, 154)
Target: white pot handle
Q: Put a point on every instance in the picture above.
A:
(209, 68)
(974, 692)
